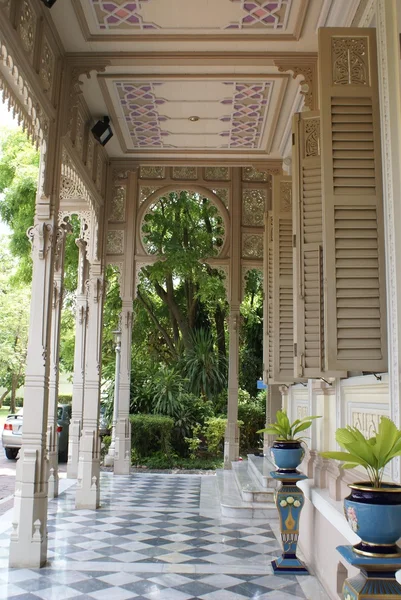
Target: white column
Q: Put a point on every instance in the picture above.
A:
(79, 363)
(122, 458)
(388, 22)
(231, 439)
(57, 303)
(88, 485)
(109, 458)
(273, 404)
(28, 547)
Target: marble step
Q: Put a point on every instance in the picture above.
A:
(233, 506)
(260, 467)
(249, 487)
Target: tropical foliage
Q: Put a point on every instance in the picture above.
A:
(373, 453)
(180, 335)
(284, 430)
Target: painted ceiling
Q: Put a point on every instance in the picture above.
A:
(231, 113)
(133, 17)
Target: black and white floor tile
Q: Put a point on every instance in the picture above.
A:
(151, 540)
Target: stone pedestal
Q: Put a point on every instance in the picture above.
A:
(376, 580)
(289, 501)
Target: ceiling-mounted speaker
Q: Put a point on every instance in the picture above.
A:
(49, 3)
(102, 131)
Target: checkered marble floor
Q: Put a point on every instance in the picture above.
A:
(153, 538)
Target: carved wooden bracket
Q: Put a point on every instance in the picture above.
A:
(307, 68)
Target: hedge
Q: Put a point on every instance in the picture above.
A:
(151, 434)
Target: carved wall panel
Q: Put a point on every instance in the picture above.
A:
(118, 204)
(90, 155)
(27, 27)
(253, 207)
(252, 245)
(46, 70)
(145, 191)
(189, 173)
(150, 172)
(253, 174)
(115, 242)
(79, 134)
(99, 173)
(224, 195)
(217, 173)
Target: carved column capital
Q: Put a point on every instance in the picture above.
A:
(41, 238)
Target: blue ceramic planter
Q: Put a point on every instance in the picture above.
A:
(375, 515)
(287, 456)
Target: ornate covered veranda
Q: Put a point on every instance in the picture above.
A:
(286, 116)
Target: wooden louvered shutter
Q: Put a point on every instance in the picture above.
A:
(353, 233)
(268, 299)
(308, 248)
(283, 320)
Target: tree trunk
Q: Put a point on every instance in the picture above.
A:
(2, 397)
(14, 387)
(219, 320)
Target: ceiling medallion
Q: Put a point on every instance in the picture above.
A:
(193, 118)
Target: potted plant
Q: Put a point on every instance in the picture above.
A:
(373, 508)
(287, 451)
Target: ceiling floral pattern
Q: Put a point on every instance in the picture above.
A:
(155, 113)
(232, 15)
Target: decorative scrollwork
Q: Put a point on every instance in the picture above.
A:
(312, 137)
(145, 191)
(285, 196)
(349, 58)
(41, 239)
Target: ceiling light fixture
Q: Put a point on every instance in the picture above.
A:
(49, 3)
(193, 118)
(102, 131)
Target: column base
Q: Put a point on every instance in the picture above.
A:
(290, 565)
(88, 484)
(376, 580)
(28, 540)
(122, 452)
(231, 444)
(73, 448)
(53, 479)
(109, 458)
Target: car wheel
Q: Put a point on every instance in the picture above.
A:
(11, 453)
(63, 456)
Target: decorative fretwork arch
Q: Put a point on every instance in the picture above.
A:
(197, 189)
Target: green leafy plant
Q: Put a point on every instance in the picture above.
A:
(373, 453)
(286, 431)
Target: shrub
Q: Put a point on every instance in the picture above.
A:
(253, 416)
(151, 434)
(161, 461)
(213, 431)
(64, 398)
(106, 441)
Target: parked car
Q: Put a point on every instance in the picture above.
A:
(12, 433)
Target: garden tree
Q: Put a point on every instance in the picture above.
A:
(251, 333)
(14, 320)
(181, 293)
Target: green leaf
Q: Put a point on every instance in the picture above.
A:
(343, 456)
(302, 427)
